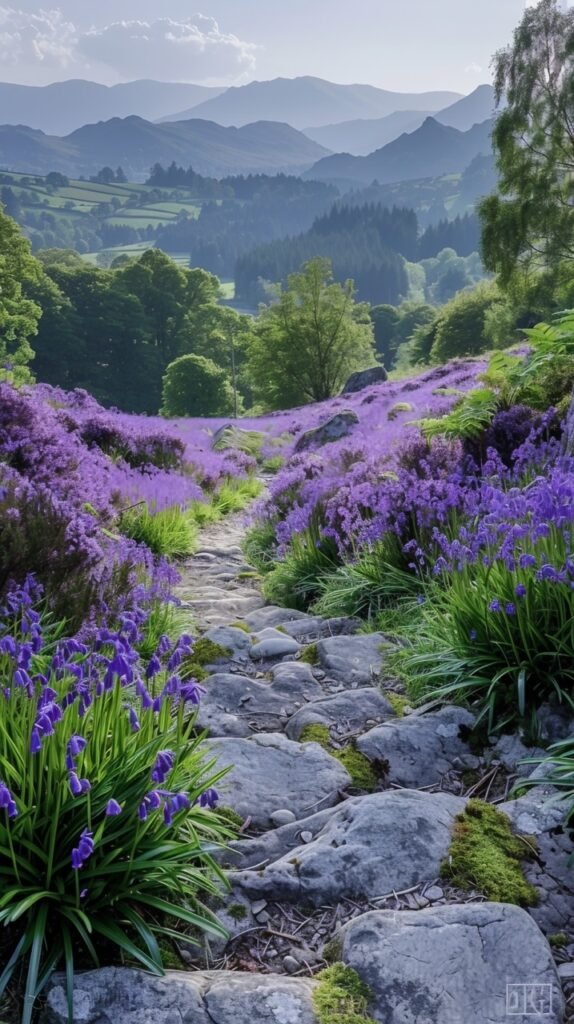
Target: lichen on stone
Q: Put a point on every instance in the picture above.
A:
(486, 855)
(341, 997)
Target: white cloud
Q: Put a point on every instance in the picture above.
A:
(44, 38)
(194, 49)
(473, 69)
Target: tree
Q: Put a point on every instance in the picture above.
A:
(19, 316)
(460, 327)
(221, 334)
(530, 218)
(195, 386)
(307, 344)
(160, 285)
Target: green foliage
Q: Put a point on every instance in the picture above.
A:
(259, 545)
(529, 219)
(310, 341)
(139, 881)
(468, 419)
(485, 854)
(237, 911)
(294, 582)
(558, 940)
(460, 329)
(163, 619)
(341, 997)
(501, 662)
(273, 464)
(397, 408)
(362, 772)
(205, 652)
(377, 579)
(170, 532)
(19, 316)
(559, 772)
(195, 386)
(398, 702)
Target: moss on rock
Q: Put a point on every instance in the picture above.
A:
(397, 701)
(362, 772)
(310, 655)
(204, 652)
(341, 997)
(485, 854)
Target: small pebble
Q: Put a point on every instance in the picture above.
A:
(263, 917)
(434, 893)
(282, 817)
(306, 837)
(258, 907)
(566, 972)
(290, 964)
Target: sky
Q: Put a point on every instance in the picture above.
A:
(404, 45)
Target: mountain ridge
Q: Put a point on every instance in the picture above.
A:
(136, 144)
(310, 100)
(431, 150)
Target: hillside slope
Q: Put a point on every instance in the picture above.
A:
(308, 100)
(430, 151)
(136, 144)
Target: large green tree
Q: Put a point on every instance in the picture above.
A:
(310, 340)
(19, 315)
(529, 220)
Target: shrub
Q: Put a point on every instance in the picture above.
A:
(196, 386)
(170, 532)
(106, 826)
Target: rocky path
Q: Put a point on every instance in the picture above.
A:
(348, 805)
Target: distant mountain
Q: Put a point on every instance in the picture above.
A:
(432, 150)
(363, 136)
(473, 109)
(304, 101)
(64, 106)
(135, 144)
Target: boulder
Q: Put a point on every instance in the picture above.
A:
(421, 749)
(352, 660)
(364, 849)
(347, 712)
(314, 627)
(119, 996)
(365, 379)
(271, 615)
(338, 426)
(236, 705)
(270, 773)
(454, 964)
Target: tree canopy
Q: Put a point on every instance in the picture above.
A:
(19, 315)
(195, 386)
(530, 218)
(308, 342)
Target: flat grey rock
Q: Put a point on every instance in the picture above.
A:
(366, 848)
(270, 773)
(353, 660)
(421, 749)
(347, 712)
(121, 996)
(271, 615)
(455, 964)
(338, 426)
(237, 705)
(313, 627)
(295, 679)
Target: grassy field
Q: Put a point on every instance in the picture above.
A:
(101, 206)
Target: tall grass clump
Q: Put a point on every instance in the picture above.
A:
(170, 532)
(107, 827)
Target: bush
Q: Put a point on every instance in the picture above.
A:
(106, 826)
(460, 329)
(170, 532)
(195, 386)
(377, 579)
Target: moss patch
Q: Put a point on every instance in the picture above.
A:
(485, 854)
(310, 655)
(558, 940)
(397, 701)
(206, 652)
(231, 817)
(397, 408)
(363, 773)
(240, 625)
(341, 997)
(237, 911)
